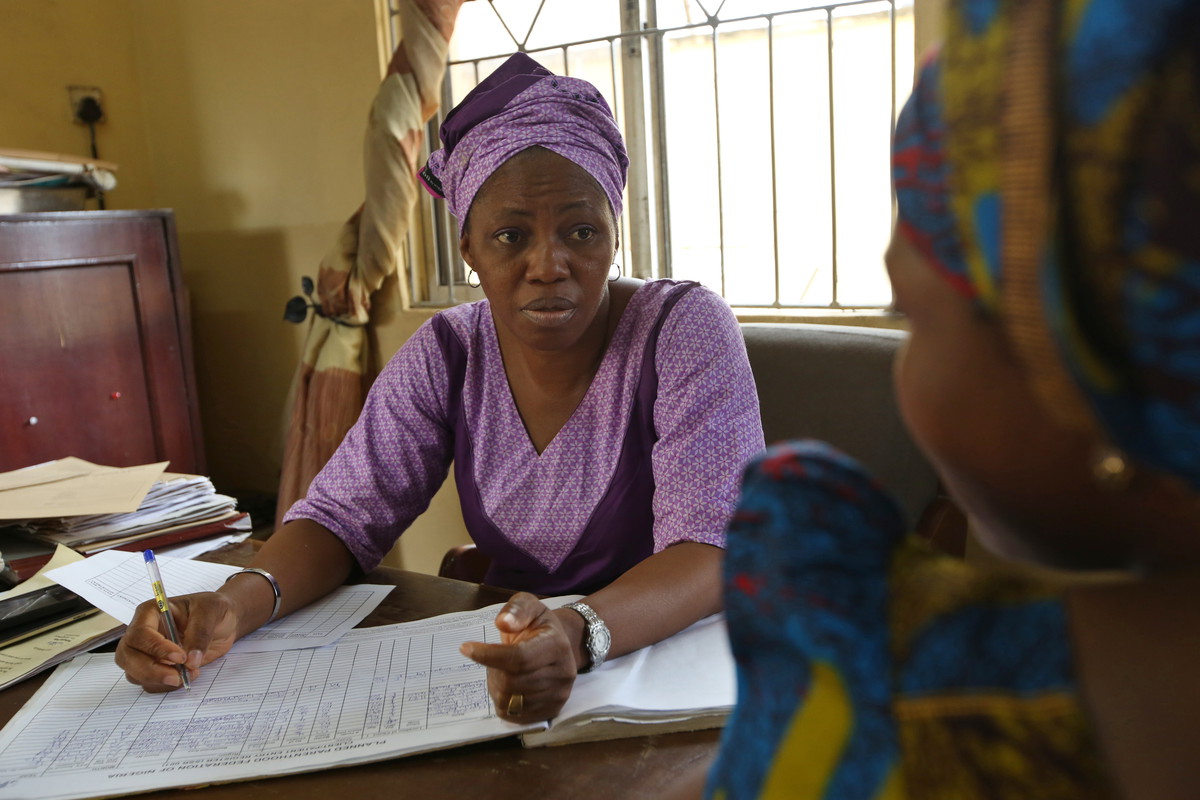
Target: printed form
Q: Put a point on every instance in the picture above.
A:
(378, 693)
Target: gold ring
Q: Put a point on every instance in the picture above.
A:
(516, 704)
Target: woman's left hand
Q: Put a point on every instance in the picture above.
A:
(532, 670)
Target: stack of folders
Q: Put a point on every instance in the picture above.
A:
(177, 508)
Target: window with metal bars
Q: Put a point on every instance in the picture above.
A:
(758, 131)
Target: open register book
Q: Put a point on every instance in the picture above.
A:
(684, 683)
(375, 694)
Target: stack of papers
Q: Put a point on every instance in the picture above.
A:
(91, 508)
(29, 169)
(173, 501)
(72, 486)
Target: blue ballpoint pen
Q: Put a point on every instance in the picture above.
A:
(160, 597)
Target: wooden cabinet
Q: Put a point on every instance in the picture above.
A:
(95, 341)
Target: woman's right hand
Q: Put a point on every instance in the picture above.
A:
(207, 623)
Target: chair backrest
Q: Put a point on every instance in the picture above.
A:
(834, 383)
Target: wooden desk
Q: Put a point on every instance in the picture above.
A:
(499, 770)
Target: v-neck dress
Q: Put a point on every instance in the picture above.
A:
(651, 457)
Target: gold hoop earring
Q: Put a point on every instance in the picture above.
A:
(612, 277)
(473, 274)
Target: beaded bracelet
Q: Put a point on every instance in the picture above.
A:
(274, 588)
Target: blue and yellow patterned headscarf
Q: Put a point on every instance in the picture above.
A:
(1114, 282)
(1048, 165)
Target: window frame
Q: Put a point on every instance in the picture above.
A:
(436, 272)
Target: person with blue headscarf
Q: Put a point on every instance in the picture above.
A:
(1047, 257)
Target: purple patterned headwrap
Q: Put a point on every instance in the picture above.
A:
(521, 105)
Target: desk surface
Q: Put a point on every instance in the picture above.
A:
(628, 768)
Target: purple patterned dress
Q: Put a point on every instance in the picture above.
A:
(651, 457)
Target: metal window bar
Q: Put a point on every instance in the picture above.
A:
(774, 167)
(833, 261)
(648, 50)
(720, 172)
(659, 139)
(636, 258)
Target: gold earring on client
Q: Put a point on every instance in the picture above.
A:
(1111, 469)
(516, 704)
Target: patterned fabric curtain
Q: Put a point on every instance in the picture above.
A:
(333, 375)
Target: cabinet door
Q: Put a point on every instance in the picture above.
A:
(95, 357)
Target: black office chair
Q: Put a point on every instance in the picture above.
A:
(834, 383)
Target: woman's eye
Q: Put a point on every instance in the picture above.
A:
(508, 237)
(583, 234)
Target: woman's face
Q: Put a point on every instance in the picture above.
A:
(965, 398)
(541, 236)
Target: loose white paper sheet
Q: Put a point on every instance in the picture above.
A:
(116, 583)
(200, 546)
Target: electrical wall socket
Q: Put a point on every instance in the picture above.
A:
(78, 94)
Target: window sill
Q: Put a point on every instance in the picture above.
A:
(864, 317)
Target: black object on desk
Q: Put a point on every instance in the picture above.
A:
(39, 610)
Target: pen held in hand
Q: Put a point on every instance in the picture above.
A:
(160, 597)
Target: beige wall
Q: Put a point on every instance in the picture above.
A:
(48, 45)
(246, 117)
(254, 113)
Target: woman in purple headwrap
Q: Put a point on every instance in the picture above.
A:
(598, 425)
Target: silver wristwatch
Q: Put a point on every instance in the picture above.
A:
(596, 639)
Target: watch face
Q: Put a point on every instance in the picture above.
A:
(600, 639)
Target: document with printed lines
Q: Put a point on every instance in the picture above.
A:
(377, 693)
